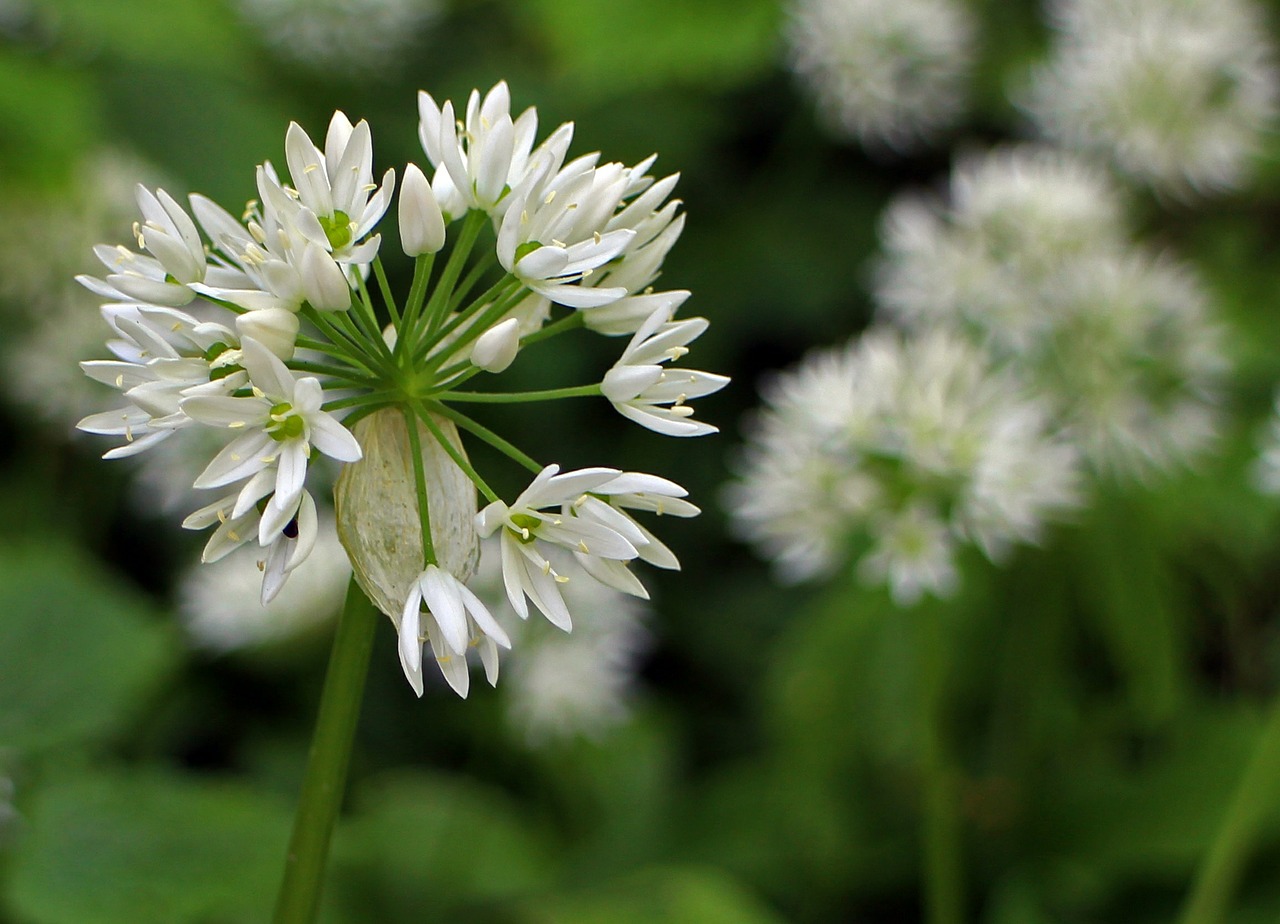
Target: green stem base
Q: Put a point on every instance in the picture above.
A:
(324, 780)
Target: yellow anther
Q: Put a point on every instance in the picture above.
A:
(596, 236)
(582, 547)
(561, 579)
(551, 196)
(120, 380)
(235, 425)
(310, 168)
(262, 565)
(233, 535)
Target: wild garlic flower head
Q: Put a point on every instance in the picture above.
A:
(261, 334)
(897, 450)
(1014, 222)
(1030, 257)
(887, 73)
(1178, 93)
(1135, 364)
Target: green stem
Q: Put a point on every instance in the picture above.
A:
(420, 483)
(940, 834)
(484, 433)
(458, 458)
(325, 777)
(517, 397)
(438, 305)
(385, 288)
(1253, 801)
(422, 268)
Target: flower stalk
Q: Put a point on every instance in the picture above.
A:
(1254, 798)
(324, 779)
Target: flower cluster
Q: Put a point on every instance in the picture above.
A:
(263, 331)
(901, 449)
(1178, 93)
(887, 73)
(1031, 257)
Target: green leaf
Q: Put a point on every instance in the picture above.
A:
(415, 840)
(147, 846)
(677, 895)
(78, 650)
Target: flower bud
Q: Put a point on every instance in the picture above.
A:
(275, 328)
(376, 502)
(323, 282)
(496, 348)
(421, 223)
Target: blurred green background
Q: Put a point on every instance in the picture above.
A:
(1103, 692)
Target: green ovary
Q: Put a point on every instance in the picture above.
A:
(285, 425)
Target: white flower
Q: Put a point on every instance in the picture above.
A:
(552, 236)
(1178, 94)
(559, 685)
(489, 157)
(1032, 259)
(281, 421)
(164, 355)
(176, 260)
(1016, 221)
(641, 388)
(455, 620)
(288, 537)
(221, 606)
(916, 444)
(1266, 468)
(526, 571)
(889, 73)
(334, 186)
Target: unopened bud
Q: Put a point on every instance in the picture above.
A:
(376, 501)
(323, 282)
(421, 223)
(496, 348)
(275, 328)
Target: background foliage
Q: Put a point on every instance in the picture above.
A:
(1104, 692)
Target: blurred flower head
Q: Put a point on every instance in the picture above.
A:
(1016, 220)
(1266, 469)
(888, 73)
(1030, 258)
(221, 606)
(905, 447)
(354, 36)
(1178, 93)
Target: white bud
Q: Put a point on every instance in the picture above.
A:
(421, 223)
(376, 502)
(275, 328)
(323, 282)
(496, 348)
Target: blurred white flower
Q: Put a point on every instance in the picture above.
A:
(889, 73)
(558, 685)
(340, 36)
(1031, 258)
(220, 601)
(1015, 222)
(1177, 92)
(1266, 469)
(907, 447)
